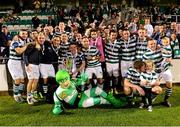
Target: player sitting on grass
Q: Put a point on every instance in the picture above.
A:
(67, 92)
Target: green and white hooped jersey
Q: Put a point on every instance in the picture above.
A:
(128, 49)
(141, 48)
(13, 54)
(78, 58)
(155, 56)
(133, 76)
(92, 51)
(63, 52)
(68, 95)
(149, 76)
(112, 52)
(166, 53)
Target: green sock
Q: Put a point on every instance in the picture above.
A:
(16, 89)
(21, 88)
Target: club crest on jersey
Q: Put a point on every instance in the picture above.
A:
(63, 95)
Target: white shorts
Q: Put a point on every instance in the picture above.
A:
(112, 69)
(166, 76)
(61, 67)
(47, 70)
(95, 70)
(125, 65)
(34, 73)
(16, 69)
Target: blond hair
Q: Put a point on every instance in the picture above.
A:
(41, 34)
(150, 62)
(165, 39)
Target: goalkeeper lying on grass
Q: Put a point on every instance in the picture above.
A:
(67, 92)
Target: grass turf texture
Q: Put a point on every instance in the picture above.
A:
(14, 114)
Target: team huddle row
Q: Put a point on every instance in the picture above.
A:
(139, 60)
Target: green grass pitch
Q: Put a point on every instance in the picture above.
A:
(14, 114)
